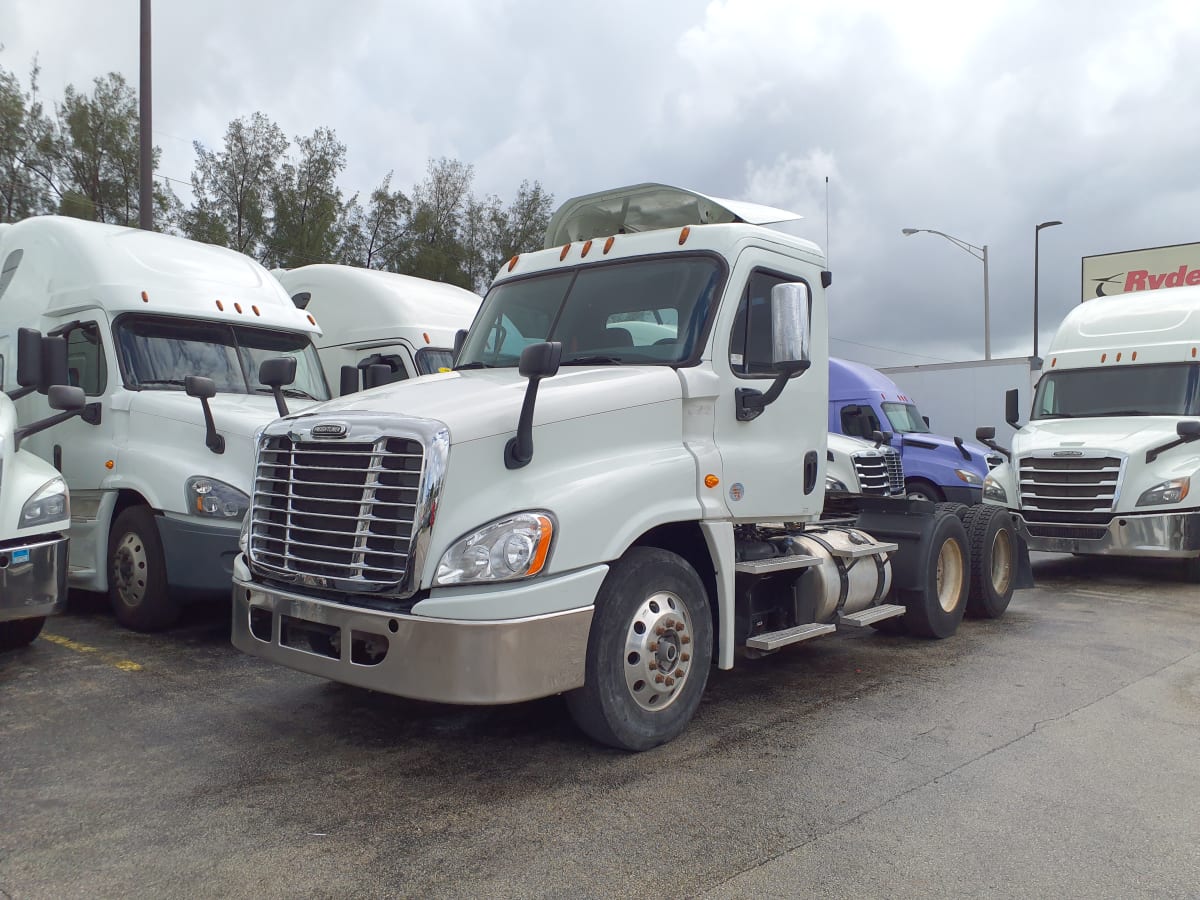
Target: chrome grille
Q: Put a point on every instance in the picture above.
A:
(340, 510)
(895, 467)
(872, 469)
(1070, 484)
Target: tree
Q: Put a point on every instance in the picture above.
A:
(26, 188)
(439, 204)
(234, 188)
(376, 238)
(307, 203)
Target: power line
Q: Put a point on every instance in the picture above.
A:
(891, 350)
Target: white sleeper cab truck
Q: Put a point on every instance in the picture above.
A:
(596, 509)
(379, 327)
(1109, 462)
(168, 339)
(35, 511)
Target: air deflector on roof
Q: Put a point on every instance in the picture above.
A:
(647, 207)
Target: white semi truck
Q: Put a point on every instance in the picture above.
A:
(167, 338)
(1109, 461)
(35, 509)
(379, 327)
(588, 509)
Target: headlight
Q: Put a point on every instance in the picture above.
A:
(516, 546)
(49, 504)
(1167, 492)
(832, 484)
(214, 499)
(968, 476)
(993, 491)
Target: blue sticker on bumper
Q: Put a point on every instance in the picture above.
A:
(20, 556)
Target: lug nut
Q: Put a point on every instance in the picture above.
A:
(653, 646)
(684, 657)
(658, 679)
(660, 631)
(651, 666)
(684, 639)
(670, 682)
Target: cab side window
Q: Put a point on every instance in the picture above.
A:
(859, 421)
(750, 340)
(86, 365)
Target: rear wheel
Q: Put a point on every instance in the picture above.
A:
(649, 652)
(959, 509)
(936, 607)
(20, 632)
(993, 561)
(137, 573)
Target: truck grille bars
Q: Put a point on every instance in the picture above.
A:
(879, 473)
(1070, 482)
(334, 513)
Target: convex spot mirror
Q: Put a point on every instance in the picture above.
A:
(1188, 429)
(199, 386)
(791, 325)
(66, 398)
(278, 371)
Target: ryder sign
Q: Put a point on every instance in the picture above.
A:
(1141, 270)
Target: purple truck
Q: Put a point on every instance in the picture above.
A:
(937, 468)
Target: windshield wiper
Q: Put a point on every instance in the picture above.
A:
(287, 392)
(171, 381)
(473, 365)
(592, 361)
(1128, 412)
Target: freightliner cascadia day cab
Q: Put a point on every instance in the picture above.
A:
(159, 469)
(1109, 462)
(863, 401)
(35, 510)
(379, 327)
(855, 466)
(580, 509)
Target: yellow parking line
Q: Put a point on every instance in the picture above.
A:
(125, 665)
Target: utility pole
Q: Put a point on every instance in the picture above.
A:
(146, 145)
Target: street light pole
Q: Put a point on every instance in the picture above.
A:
(980, 253)
(1037, 231)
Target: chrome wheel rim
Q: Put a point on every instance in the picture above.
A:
(949, 575)
(130, 567)
(658, 648)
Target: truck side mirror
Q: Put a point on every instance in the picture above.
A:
(66, 398)
(986, 435)
(349, 381)
(54, 363)
(790, 334)
(275, 373)
(1188, 430)
(537, 361)
(203, 389)
(925, 419)
(376, 374)
(1012, 415)
(460, 338)
(29, 357)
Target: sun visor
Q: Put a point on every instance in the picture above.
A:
(648, 207)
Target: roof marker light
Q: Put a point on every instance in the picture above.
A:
(1118, 357)
(1133, 356)
(565, 250)
(608, 244)
(683, 234)
(425, 334)
(586, 247)
(513, 262)
(1054, 362)
(1103, 357)
(256, 312)
(220, 306)
(238, 307)
(311, 319)
(145, 297)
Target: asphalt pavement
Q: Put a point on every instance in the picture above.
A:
(1055, 752)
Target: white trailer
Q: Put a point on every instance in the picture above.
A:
(959, 397)
(1109, 461)
(159, 479)
(588, 508)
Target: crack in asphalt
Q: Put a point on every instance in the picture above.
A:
(1038, 725)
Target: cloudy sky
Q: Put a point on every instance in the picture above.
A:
(977, 120)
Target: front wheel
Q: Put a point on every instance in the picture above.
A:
(137, 573)
(920, 489)
(20, 632)
(649, 651)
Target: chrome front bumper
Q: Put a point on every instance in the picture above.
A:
(33, 579)
(443, 660)
(1159, 534)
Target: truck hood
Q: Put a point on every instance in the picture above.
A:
(944, 444)
(481, 403)
(1127, 435)
(236, 414)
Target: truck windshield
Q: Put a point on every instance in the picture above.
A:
(905, 418)
(158, 352)
(646, 312)
(1153, 390)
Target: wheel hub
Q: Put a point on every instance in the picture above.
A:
(129, 569)
(658, 645)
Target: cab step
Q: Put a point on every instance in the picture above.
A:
(858, 551)
(865, 617)
(774, 564)
(773, 640)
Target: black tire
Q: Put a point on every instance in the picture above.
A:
(892, 625)
(20, 632)
(920, 489)
(959, 509)
(137, 573)
(936, 608)
(993, 561)
(1191, 570)
(623, 702)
